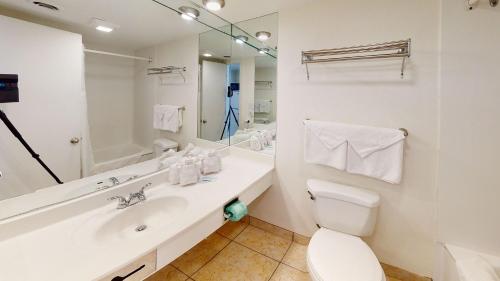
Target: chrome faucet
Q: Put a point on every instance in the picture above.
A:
(132, 199)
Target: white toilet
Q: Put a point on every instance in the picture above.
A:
(162, 145)
(336, 251)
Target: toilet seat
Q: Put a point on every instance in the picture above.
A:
(333, 256)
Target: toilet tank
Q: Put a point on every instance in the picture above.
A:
(344, 208)
(162, 145)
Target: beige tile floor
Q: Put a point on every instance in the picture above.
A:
(240, 252)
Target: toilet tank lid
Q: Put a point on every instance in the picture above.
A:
(166, 143)
(363, 197)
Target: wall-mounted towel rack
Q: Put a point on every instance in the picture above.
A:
(405, 131)
(168, 70)
(394, 49)
(264, 83)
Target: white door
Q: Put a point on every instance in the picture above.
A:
(213, 99)
(49, 64)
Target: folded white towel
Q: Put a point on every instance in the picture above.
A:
(263, 106)
(325, 143)
(375, 152)
(167, 118)
(476, 269)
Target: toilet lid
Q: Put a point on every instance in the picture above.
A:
(333, 256)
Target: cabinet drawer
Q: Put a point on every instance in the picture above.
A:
(136, 271)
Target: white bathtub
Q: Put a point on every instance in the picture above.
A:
(453, 258)
(119, 156)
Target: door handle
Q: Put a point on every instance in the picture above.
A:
(204, 121)
(74, 140)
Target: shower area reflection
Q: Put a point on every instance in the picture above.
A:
(110, 93)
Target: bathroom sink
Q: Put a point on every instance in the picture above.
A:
(132, 222)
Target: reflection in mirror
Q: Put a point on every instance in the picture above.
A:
(101, 117)
(238, 85)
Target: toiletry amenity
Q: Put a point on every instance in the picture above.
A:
(211, 163)
(187, 166)
(167, 162)
(255, 143)
(235, 211)
(325, 144)
(167, 118)
(189, 172)
(173, 174)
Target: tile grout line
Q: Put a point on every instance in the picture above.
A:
(281, 261)
(205, 264)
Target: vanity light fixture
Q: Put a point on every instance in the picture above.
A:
(104, 28)
(240, 39)
(214, 5)
(189, 13)
(103, 25)
(207, 55)
(263, 35)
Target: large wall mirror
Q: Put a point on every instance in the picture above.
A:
(237, 100)
(91, 110)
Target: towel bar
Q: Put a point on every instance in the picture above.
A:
(405, 131)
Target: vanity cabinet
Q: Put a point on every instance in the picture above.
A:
(135, 271)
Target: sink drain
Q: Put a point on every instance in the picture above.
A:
(141, 228)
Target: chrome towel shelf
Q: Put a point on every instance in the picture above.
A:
(168, 70)
(394, 49)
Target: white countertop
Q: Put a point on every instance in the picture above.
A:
(54, 252)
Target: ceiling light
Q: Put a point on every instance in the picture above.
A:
(214, 5)
(240, 39)
(207, 55)
(103, 25)
(189, 13)
(104, 28)
(263, 35)
(264, 51)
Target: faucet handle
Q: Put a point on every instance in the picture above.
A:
(144, 187)
(119, 198)
(122, 201)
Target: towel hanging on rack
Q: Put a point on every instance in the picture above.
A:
(167, 117)
(369, 151)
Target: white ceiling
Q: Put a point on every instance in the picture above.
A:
(142, 22)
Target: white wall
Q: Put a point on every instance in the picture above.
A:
(469, 190)
(366, 93)
(110, 98)
(49, 63)
(167, 89)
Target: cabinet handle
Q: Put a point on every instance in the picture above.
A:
(120, 278)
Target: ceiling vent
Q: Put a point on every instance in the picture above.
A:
(45, 5)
